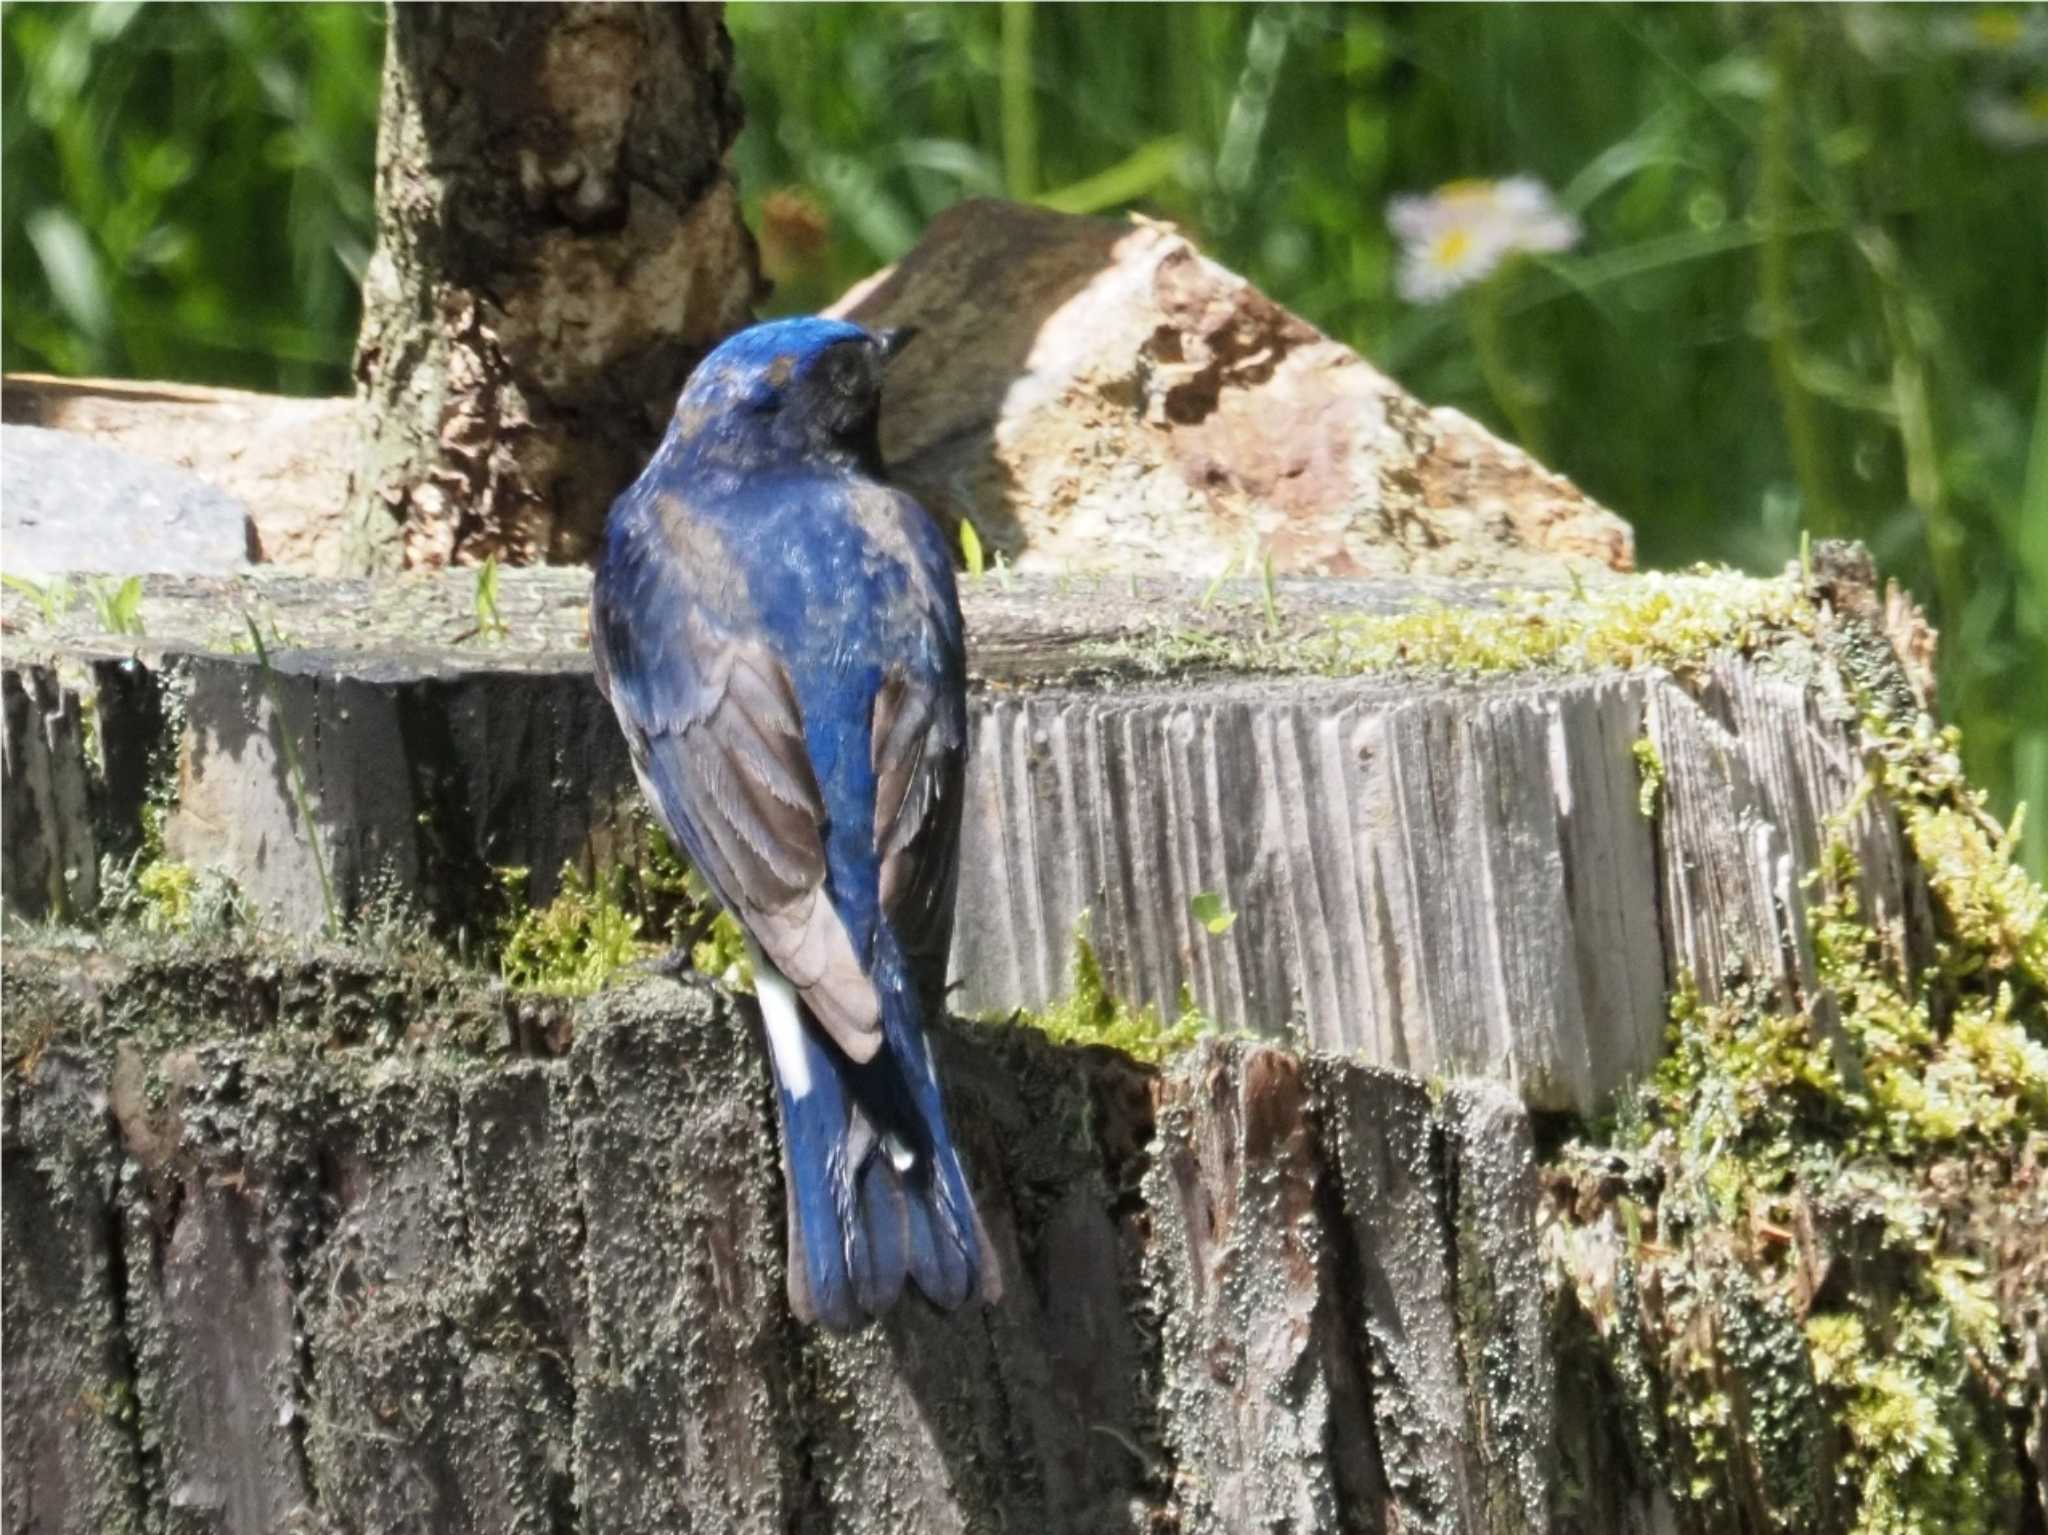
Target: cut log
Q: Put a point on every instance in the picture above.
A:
(353, 1236)
(422, 1283)
(1457, 872)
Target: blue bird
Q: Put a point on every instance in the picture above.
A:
(779, 634)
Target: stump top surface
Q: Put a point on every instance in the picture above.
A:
(1022, 630)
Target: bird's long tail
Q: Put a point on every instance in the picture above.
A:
(876, 1190)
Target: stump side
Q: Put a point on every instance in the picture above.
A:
(1460, 866)
(337, 1253)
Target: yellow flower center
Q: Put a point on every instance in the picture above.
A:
(1452, 247)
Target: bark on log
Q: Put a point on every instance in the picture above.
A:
(323, 1276)
(558, 243)
(1442, 873)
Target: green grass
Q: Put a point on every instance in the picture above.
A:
(188, 189)
(1810, 298)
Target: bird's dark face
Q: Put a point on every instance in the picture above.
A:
(789, 391)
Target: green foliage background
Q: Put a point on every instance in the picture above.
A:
(1812, 296)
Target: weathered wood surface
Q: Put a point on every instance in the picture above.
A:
(301, 1241)
(1439, 874)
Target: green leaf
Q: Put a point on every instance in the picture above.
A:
(119, 607)
(1143, 171)
(1209, 910)
(488, 619)
(73, 268)
(970, 547)
(53, 599)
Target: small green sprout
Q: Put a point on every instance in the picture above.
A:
(119, 608)
(970, 548)
(53, 600)
(1216, 582)
(490, 621)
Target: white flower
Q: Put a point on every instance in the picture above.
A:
(1458, 234)
(2011, 120)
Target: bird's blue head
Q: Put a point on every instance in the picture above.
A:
(788, 391)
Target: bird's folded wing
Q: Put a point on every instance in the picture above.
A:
(718, 741)
(919, 753)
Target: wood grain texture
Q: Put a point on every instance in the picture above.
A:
(71, 1461)
(1441, 874)
(49, 852)
(1454, 878)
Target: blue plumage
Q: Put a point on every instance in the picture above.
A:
(779, 634)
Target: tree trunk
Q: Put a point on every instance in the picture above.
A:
(558, 243)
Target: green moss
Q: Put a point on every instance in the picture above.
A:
(1649, 775)
(575, 943)
(1924, 1451)
(721, 954)
(685, 911)
(1820, 1199)
(1673, 621)
(1090, 1014)
(1997, 916)
(166, 889)
(630, 912)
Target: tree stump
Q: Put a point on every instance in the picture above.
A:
(305, 1242)
(340, 1233)
(1458, 871)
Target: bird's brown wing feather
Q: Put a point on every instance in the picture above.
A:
(721, 755)
(919, 754)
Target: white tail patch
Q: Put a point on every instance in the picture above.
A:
(901, 1157)
(785, 1024)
